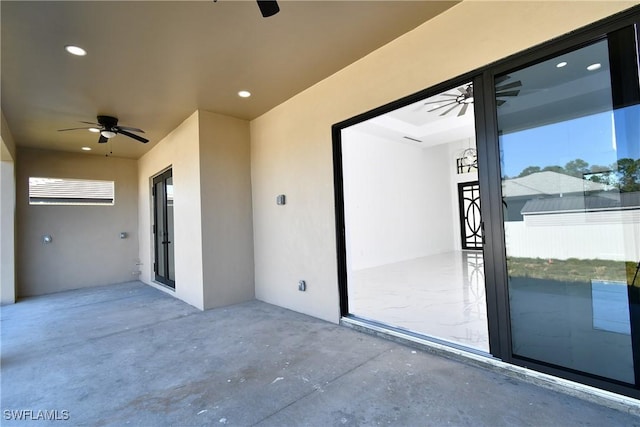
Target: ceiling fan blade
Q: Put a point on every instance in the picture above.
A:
(268, 7)
(501, 79)
(439, 102)
(509, 86)
(133, 135)
(508, 93)
(91, 123)
(454, 103)
(499, 102)
(442, 114)
(463, 110)
(62, 130)
(130, 129)
(102, 139)
(449, 94)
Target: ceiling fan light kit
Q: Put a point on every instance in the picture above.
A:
(108, 134)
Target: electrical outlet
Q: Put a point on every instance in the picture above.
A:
(302, 286)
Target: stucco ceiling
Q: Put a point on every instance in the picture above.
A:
(152, 64)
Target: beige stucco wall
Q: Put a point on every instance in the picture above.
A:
(209, 157)
(180, 151)
(87, 249)
(227, 228)
(291, 145)
(7, 214)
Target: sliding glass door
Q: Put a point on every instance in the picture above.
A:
(570, 164)
(500, 213)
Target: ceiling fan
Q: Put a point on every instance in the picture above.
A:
(454, 100)
(464, 98)
(267, 7)
(108, 127)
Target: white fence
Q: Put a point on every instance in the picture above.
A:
(609, 235)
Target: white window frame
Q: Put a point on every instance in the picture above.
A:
(71, 192)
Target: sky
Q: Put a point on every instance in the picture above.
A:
(590, 138)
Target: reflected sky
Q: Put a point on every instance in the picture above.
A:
(590, 138)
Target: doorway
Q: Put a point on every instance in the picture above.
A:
(407, 267)
(551, 266)
(163, 238)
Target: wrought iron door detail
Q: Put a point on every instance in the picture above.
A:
(470, 219)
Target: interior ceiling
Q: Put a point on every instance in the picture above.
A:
(547, 93)
(152, 64)
(425, 123)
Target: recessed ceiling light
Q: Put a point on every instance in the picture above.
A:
(561, 64)
(75, 50)
(244, 94)
(94, 130)
(594, 67)
(86, 148)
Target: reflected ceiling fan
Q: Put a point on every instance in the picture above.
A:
(504, 90)
(108, 127)
(464, 98)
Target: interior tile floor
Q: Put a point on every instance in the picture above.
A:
(441, 295)
(130, 354)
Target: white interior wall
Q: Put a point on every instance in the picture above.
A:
(180, 151)
(388, 208)
(394, 193)
(291, 147)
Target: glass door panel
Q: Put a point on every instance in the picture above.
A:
(412, 220)
(570, 162)
(170, 245)
(163, 229)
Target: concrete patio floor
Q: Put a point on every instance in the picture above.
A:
(129, 354)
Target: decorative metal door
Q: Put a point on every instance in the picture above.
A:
(470, 219)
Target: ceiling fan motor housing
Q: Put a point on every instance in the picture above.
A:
(108, 122)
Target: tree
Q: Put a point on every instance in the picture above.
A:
(553, 168)
(623, 175)
(529, 170)
(577, 168)
(629, 175)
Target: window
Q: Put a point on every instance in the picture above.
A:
(63, 191)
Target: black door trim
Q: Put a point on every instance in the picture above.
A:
(491, 185)
(162, 277)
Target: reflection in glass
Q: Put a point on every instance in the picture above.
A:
(160, 221)
(570, 186)
(407, 226)
(170, 238)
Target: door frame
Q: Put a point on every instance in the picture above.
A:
(163, 278)
(489, 177)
